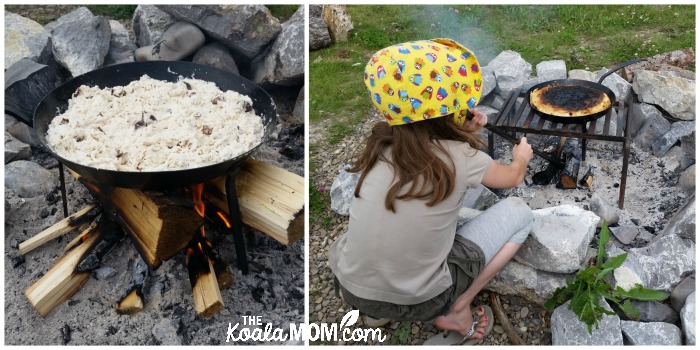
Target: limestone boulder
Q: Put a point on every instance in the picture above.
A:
(511, 71)
(651, 333)
(338, 21)
(80, 41)
(567, 329)
(283, 63)
(149, 24)
(216, 55)
(28, 179)
(343, 191)
(18, 37)
(675, 95)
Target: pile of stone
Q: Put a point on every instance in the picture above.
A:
(328, 24)
(656, 229)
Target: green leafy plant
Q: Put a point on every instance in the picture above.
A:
(401, 334)
(588, 287)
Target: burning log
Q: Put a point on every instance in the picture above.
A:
(62, 280)
(60, 228)
(85, 231)
(205, 287)
(271, 199)
(111, 235)
(569, 174)
(546, 176)
(132, 302)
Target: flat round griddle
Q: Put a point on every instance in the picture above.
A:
(56, 103)
(572, 96)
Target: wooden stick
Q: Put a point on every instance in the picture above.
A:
(132, 303)
(271, 199)
(61, 281)
(507, 326)
(58, 229)
(84, 233)
(205, 288)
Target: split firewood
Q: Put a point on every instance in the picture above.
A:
(271, 199)
(569, 174)
(85, 230)
(133, 300)
(160, 225)
(60, 228)
(62, 280)
(223, 276)
(587, 179)
(546, 176)
(205, 288)
(505, 323)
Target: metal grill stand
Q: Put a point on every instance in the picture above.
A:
(234, 211)
(520, 117)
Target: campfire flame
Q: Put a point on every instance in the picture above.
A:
(224, 219)
(197, 198)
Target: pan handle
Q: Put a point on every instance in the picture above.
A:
(621, 65)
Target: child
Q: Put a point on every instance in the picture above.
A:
(401, 258)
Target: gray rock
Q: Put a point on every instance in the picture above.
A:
(283, 63)
(81, 45)
(245, 29)
(681, 292)
(654, 311)
(121, 48)
(604, 210)
(26, 84)
(298, 112)
(621, 87)
(688, 148)
(653, 333)
(166, 333)
(497, 102)
(551, 70)
(625, 233)
(639, 113)
(24, 133)
(528, 84)
(15, 149)
(78, 15)
(149, 24)
(465, 215)
(581, 74)
(488, 111)
(682, 223)
(40, 47)
(489, 80)
(511, 71)
(687, 179)
(8, 208)
(179, 41)
(105, 272)
(678, 130)
(675, 95)
(479, 198)
(319, 36)
(658, 266)
(343, 191)
(18, 34)
(559, 239)
(523, 281)
(10, 121)
(216, 55)
(655, 126)
(688, 319)
(568, 330)
(338, 21)
(28, 179)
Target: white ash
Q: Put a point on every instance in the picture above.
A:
(153, 125)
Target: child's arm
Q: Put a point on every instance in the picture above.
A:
(505, 176)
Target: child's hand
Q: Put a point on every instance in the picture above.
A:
(479, 120)
(523, 150)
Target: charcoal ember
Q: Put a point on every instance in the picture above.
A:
(17, 260)
(292, 152)
(52, 198)
(291, 141)
(65, 334)
(111, 235)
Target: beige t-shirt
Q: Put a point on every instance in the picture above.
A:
(401, 257)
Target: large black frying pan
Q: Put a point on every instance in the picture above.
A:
(123, 74)
(585, 88)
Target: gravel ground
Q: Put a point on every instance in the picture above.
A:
(647, 205)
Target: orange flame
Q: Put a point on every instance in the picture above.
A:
(197, 198)
(224, 219)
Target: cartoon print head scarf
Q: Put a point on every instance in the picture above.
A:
(425, 79)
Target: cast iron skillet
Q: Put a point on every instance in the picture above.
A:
(584, 84)
(123, 74)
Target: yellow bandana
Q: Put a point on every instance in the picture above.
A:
(425, 79)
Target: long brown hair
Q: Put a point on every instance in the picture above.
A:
(413, 159)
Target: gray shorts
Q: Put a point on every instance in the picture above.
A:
(476, 243)
(465, 261)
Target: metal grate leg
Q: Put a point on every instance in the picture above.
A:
(234, 211)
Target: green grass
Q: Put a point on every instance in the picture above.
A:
(584, 36)
(318, 204)
(113, 11)
(282, 12)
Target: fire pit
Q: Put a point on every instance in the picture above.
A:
(519, 116)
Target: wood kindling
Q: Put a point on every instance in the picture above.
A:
(60, 228)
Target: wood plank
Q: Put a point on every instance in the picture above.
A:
(58, 229)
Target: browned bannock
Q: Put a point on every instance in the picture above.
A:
(569, 100)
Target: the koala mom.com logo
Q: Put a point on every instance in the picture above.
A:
(253, 330)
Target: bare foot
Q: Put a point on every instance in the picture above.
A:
(461, 321)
